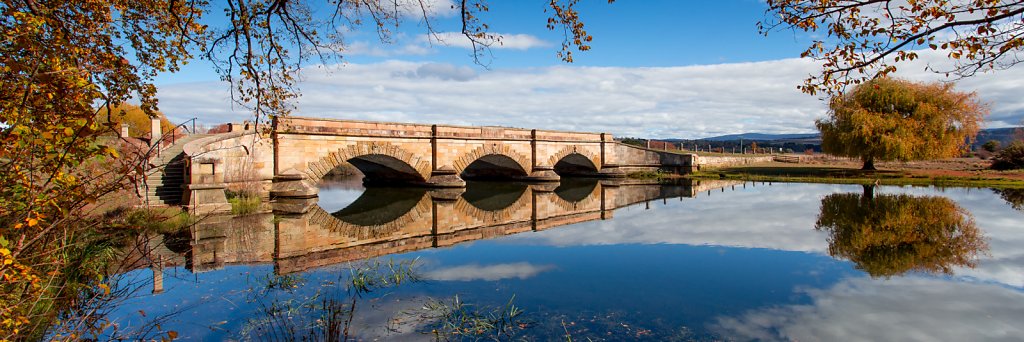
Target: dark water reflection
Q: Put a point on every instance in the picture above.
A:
(378, 206)
(605, 261)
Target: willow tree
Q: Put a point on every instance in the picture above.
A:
(887, 235)
(888, 119)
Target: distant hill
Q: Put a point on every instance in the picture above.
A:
(763, 136)
(1003, 135)
(811, 141)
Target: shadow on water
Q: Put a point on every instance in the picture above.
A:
(493, 196)
(380, 205)
(888, 235)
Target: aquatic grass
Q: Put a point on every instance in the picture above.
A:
(457, 318)
(375, 275)
(327, 313)
(286, 282)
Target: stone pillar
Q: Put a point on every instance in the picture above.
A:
(124, 130)
(154, 128)
(158, 279)
(441, 176)
(538, 172)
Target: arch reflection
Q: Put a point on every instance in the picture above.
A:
(576, 189)
(378, 206)
(493, 196)
(302, 235)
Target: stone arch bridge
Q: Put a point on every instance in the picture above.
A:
(292, 157)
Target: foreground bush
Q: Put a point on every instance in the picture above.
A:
(1010, 158)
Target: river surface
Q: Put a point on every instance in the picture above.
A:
(586, 260)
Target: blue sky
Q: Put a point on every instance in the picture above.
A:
(660, 69)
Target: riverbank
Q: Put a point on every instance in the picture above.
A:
(961, 172)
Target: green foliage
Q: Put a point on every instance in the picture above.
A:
(990, 146)
(889, 119)
(887, 235)
(1010, 158)
(243, 202)
(244, 205)
(646, 175)
(635, 142)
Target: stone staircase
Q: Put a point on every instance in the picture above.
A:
(164, 181)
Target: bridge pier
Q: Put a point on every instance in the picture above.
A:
(445, 177)
(293, 186)
(543, 174)
(611, 171)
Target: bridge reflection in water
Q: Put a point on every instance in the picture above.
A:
(385, 221)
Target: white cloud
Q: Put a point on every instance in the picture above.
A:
(518, 270)
(441, 71)
(902, 309)
(417, 8)
(664, 102)
(365, 48)
(503, 40)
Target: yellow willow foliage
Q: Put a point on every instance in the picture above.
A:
(891, 119)
(887, 235)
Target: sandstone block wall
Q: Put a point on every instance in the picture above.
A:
(710, 162)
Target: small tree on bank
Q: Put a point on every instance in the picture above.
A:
(890, 119)
(1010, 158)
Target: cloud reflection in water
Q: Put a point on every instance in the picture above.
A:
(518, 270)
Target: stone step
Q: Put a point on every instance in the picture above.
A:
(165, 180)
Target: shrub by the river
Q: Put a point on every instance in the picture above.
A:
(243, 203)
(1010, 158)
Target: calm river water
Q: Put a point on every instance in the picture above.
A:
(586, 260)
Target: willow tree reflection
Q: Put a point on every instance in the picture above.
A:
(888, 235)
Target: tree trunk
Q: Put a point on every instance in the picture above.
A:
(869, 193)
(869, 164)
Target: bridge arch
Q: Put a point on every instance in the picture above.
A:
(492, 160)
(575, 161)
(379, 161)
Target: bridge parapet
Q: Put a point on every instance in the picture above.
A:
(356, 128)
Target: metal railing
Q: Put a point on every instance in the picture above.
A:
(168, 138)
(159, 143)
